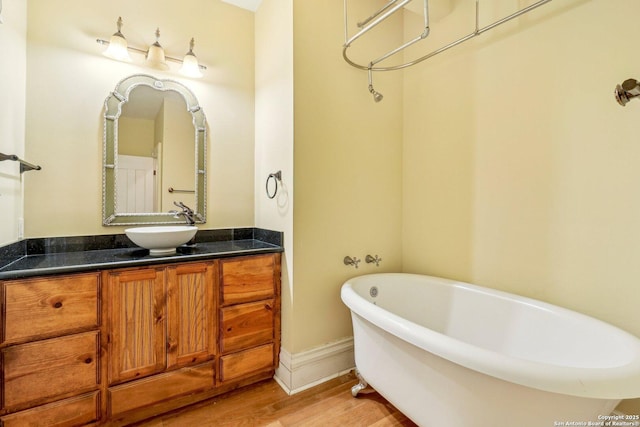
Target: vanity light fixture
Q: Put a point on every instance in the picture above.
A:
(118, 48)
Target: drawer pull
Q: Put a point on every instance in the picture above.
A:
(267, 307)
(57, 305)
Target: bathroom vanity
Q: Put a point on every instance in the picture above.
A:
(113, 342)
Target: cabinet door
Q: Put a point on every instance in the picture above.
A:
(136, 323)
(191, 314)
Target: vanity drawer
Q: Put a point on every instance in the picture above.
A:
(245, 363)
(159, 388)
(77, 411)
(47, 370)
(247, 279)
(46, 307)
(246, 325)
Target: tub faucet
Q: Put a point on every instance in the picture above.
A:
(351, 261)
(373, 260)
(187, 213)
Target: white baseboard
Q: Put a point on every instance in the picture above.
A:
(300, 371)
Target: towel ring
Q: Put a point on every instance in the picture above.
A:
(277, 176)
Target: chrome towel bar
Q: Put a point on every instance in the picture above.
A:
(173, 190)
(24, 166)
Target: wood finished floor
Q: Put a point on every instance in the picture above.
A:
(266, 404)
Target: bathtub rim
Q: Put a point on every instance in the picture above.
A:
(618, 382)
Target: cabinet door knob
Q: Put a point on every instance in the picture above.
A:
(267, 307)
(57, 305)
(88, 360)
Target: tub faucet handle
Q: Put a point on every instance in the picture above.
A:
(351, 261)
(369, 260)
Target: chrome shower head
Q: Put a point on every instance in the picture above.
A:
(628, 90)
(377, 96)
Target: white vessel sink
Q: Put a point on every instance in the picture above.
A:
(161, 240)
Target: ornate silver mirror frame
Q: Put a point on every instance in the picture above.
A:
(113, 110)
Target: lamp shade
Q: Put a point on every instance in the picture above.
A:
(190, 66)
(155, 55)
(118, 48)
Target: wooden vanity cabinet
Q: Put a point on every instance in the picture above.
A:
(181, 333)
(249, 316)
(50, 350)
(118, 346)
(159, 320)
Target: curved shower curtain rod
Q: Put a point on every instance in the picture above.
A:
(395, 5)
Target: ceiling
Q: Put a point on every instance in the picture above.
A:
(251, 5)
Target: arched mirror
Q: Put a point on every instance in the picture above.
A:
(154, 152)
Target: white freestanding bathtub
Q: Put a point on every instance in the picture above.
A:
(451, 354)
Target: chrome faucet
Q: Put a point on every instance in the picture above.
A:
(373, 260)
(187, 213)
(351, 261)
(189, 217)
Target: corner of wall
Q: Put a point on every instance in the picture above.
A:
(13, 44)
(300, 371)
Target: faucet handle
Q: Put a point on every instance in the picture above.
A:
(369, 260)
(351, 261)
(184, 207)
(187, 212)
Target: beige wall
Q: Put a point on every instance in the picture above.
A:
(13, 45)
(274, 136)
(177, 162)
(136, 136)
(521, 171)
(68, 80)
(347, 172)
(347, 161)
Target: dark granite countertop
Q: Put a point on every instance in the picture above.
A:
(37, 257)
